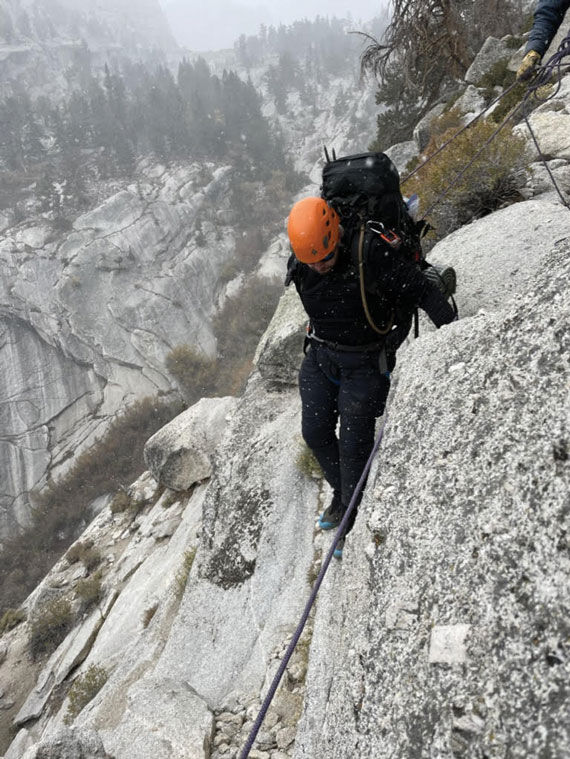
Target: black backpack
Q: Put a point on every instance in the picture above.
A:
(365, 191)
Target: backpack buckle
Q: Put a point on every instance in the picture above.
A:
(389, 236)
(391, 239)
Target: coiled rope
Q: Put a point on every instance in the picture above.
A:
(541, 78)
(300, 627)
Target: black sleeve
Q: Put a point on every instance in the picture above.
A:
(436, 306)
(406, 286)
(292, 265)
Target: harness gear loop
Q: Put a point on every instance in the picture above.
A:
(367, 313)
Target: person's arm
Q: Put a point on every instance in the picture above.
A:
(406, 285)
(548, 16)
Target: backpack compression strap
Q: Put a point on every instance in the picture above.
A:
(369, 318)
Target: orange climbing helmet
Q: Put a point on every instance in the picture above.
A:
(313, 229)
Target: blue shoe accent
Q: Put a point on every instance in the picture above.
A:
(326, 524)
(332, 515)
(338, 550)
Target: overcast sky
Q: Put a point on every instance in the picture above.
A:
(216, 24)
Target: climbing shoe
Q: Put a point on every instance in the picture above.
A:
(338, 550)
(332, 515)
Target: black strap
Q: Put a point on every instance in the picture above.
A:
(368, 348)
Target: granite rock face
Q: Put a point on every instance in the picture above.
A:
(496, 256)
(278, 354)
(86, 323)
(69, 743)
(422, 130)
(492, 52)
(180, 454)
(37, 46)
(401, 154)
(448, 635)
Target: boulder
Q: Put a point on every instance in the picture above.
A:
(552, 130)
(279, 351)
(164, 719)
(69, 743)
(540, 180)
(492, 52)
(180, 454)
(401, 154)
(496, 256)
(422, 130)
(471, 103)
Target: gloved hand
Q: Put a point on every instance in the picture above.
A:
(528, 65)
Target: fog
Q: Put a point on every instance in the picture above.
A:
(218, 23)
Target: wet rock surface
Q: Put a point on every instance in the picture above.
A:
(449, 629)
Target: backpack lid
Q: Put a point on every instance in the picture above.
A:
(364, 184)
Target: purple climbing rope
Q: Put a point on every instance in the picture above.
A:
(543, 76)
(300, 627)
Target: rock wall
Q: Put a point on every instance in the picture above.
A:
(87, 320)
(443, 632)
(448, 633)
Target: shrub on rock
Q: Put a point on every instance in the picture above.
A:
(491, 182)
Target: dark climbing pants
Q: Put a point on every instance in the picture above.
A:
(349, 386)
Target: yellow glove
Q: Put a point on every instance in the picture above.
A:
(528, 65)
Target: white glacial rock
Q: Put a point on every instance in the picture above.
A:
(492, 52)
(473, 531)
(69, 743)
(180, 454)
(498, 255)
(422, 130)
(471, 103)
(401, 154)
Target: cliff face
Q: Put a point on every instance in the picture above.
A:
(87, 320)
(442, 633)
(88, 316)
(446, 634)
(41, 43)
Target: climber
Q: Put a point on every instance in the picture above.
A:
(346, 370)
(548, 16)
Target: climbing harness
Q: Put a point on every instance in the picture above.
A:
(300, 627)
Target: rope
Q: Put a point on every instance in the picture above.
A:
(542, 77)
(457, 134)
(295, 639)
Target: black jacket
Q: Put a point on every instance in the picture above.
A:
(548, 17)
(395, 287)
